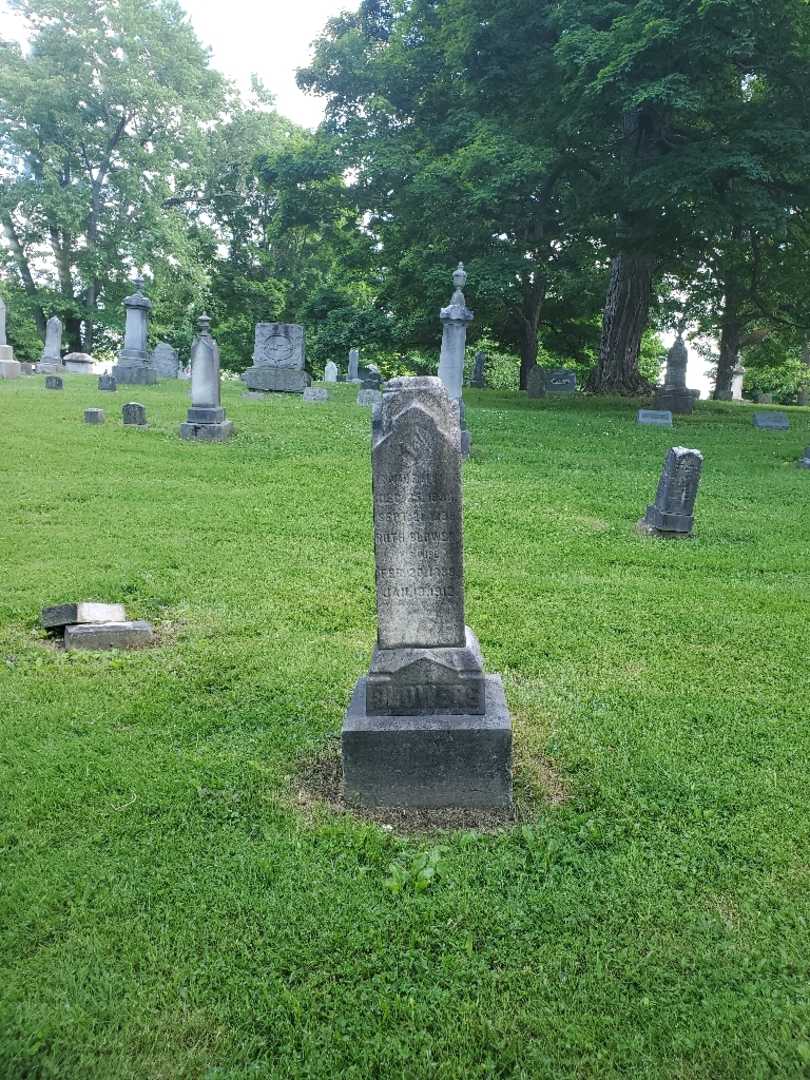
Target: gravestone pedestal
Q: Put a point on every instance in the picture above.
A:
(133, 367)
(278, 360)
(674, 396)
(206, 417)
(672, 514)
(426, 727)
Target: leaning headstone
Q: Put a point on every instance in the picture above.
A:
(804, 462)
(330, 372)
(369, 397)
(206, 417)
(674, 396)
(316, 393)
(94, 416)
(426, 727)
(133, 360)
(9, 367)
(672, 514)
(107, 383)
(354, 365)
(54, 382)
(479, 377)
(771, 421)
(165, 362)
(536, 382)
(80, 363)
(560, 380)
(58, 616)
(110, 635)
(278, 359)
(654, 417)
(133, 414)
(51, 359)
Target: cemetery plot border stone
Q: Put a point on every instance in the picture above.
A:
(671, 516)
(54, 382)
(133, 414)
(771, 421)
(58, 616)
(654, 417)
(316, 394)
(110, 635)
(426, 727)
(278, 360)
(94, 416)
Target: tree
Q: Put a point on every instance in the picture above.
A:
(101, 130)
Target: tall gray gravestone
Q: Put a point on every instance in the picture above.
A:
(426, 727)
(278, 360)
(206, 417)
(479, 375)
(536, 382)
(672, 514)
(455, 318)
(50, 362)
(354, 366)
(9, 367)
(674, 396)
(133, 359)
(165, 361)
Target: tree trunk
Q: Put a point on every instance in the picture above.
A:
(25, 272)
(624, 321)
(730, 334)
(534, 293)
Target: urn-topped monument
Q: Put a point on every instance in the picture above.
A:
(206, 417)
(133, 359)
(278, 360)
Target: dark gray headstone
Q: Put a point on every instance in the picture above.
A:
(536, 382)
(54, 382)
(654, 417)
(450, 744)
(134, 413)
(94, 416)
(771, 421)
(560, 381)
(107, 382)
(479, 376)
(672, 514)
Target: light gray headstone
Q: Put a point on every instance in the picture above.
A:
(771, 421)
(330, 372)
(369, 397)
(3, 340)
(133, 413)
(654, 417)
(278, 359)
(205, 420)
(165, 362)
(58, 616)
(94, 416)
(455, 318)
(737, 380)
(316, 393)
(52, 352)
(80, 363)
(672, 514)
(560, 380)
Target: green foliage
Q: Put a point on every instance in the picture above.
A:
(21, 327)
(417, 875)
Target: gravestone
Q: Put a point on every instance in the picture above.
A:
(804, 462)
(771, 421)
(206, 417)
(737, 379)
(80, 363)
(536, 382)
(479, 377)
(674, 396)
(369, 397)
(107, 383)
(370, 378)
(654, 417)
(354, 366)
(110, 635)
(330, 372)
(560, 380)
(133, 359)
(455, 318)
(672, 514)
(26, 368)
(278, 360)
(94, 416)
(316, 393)
(9, 367)
(54, 382)
(51, 359)
(133, 414)
(426, 727)
(58, 616)
(165, 361)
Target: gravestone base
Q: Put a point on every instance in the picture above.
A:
(456, 760)
(131, 375)
(207, 432)
(50, 367)
(10, 369)
(276, 380)
(646, 529)
(675, 399)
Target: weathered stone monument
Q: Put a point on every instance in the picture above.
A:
(133, 414)
(330, 372)
(354, 366)
(455, 318)
(654, 417)
(536, 382)
(206, 417)
(426, 727)
(50, 362)
(672, 514)
(560, 380)
(737, 379)
(674, 396)
(479, 374)
(316, 394)
(80, 363)
(133, 359)
(278, 360)
(94, 416)
(9, 367)
(107, 383)
(369, 397)
(771, 421)
(54, 382)
(165, 361)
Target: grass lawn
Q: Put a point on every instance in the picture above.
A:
(169, 909)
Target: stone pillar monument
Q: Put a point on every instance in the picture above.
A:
(354, 366)
(455, 318)
(51, 360)
(737, 379)
(672, 514)
(133, 359)
(479, 377)
(206, 417)
(426, 726)
(674, 396)
(9, 367)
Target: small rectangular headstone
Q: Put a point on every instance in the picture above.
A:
(316, 393)
(369, 397)
(111, 635)
(560, 381)
(771, 421)
(54, 382)
(654, 417)
(133, 413)
(60, 615)
(94, 416)
(107, 382)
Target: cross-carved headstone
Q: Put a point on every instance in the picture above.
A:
(672, 513)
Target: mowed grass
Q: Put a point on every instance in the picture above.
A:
(167, 910)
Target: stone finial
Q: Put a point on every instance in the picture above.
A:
(204, 325)
(139, 283)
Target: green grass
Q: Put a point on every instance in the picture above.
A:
(165, 911)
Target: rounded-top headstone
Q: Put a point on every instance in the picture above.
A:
(133, 413)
